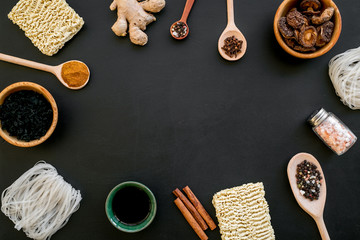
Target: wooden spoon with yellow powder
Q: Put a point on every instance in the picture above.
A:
(72, 74)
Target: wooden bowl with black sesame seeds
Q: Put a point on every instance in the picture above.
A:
(42, 98)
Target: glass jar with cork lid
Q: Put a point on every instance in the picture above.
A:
(334, 133)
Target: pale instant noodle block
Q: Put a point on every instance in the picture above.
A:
(49, 24)
(243, 213)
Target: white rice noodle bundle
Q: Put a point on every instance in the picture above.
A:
(40, 202)
(344, 72)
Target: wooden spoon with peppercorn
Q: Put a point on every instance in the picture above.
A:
(232, 43)
(72, 74)
(314, 207)
(179, 29)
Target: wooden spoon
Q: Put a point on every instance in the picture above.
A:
(231, 30)
(314, 208)
(56, 70)
(183, 19)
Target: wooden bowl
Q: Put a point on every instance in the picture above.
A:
(37, 88)
(285, 7)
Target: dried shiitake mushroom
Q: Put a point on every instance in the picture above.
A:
(310, 7)
(324, 33)
(311, 12)
(313, 4)
(284, 28)
(295, 19)
(304, 49)
(319, 42)
(308, 36)
(290, 42)
(308, 28)
(296, 35)
(325, 16)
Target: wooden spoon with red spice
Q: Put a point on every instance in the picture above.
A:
(314, 208)
(72, 74)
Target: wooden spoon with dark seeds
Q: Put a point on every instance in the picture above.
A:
(314, 208)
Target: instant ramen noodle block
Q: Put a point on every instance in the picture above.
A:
(243, 213)
(49, 24)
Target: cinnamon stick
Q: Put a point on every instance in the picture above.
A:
(199, 207)
(191, 208)
(190, 219)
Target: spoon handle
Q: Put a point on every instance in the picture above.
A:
(26, 63)
(187, 9)
(322, 228)
(230, 12)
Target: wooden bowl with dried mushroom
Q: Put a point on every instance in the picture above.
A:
(307, 28)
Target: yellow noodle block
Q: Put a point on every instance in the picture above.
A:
(49, 24)
(243, 213)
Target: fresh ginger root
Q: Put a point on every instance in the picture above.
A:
(135, 12)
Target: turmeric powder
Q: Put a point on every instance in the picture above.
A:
(75, 73)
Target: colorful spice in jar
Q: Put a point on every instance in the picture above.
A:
(179, 29)
(75, 73)
(308, 180)
(336, 135)
(26, 115)
(232, 46)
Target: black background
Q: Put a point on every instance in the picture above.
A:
(174, 113)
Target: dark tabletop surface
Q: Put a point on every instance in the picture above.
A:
(174, 113)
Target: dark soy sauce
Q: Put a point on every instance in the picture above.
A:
(131, 205)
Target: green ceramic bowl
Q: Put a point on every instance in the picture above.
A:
(125, 227)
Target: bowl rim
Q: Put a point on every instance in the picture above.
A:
(124, 227)
(39, 89)
(281, 11)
